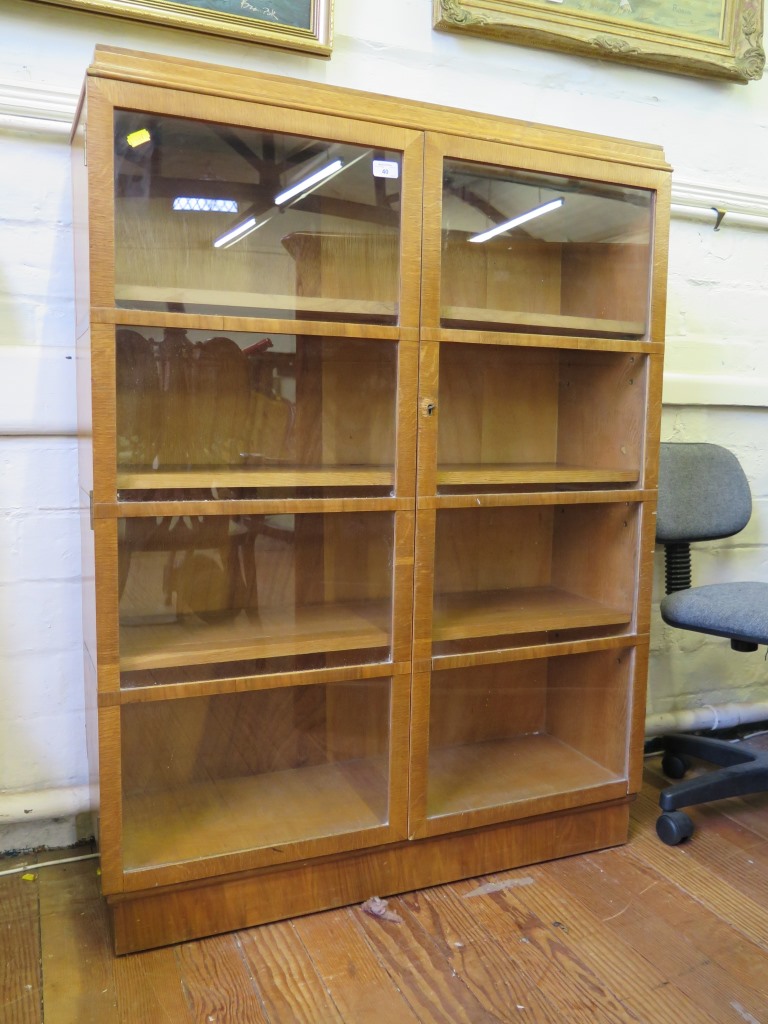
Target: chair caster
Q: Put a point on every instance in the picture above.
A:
(675, 766)
(674, 827)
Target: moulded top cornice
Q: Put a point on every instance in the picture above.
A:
(241, 84)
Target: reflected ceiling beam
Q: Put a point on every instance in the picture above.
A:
(383, 215)
(237, 145)
(466, 195)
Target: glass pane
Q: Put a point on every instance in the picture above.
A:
(511, 573)
(249, 410)
(210, 593)
(516, 418)
(516, 732)
(543, 254)
(233, 772)
(213, 218)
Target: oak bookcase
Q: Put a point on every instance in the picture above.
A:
(368, 498)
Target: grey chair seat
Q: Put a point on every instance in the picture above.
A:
(733, 610)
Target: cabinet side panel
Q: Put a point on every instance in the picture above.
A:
(80, 222)
(92, 736)
(637, 720)
(87, 556)
(84, 413)
(110, 811)
(100, 157)
(660, 258)
(104, 412)
(588, 701)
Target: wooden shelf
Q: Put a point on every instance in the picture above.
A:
(501, 772)
(519, 610)
(274, 633)
(136, 295)
(530, 473)
(141, 478)
(551, 322)
(223, 816)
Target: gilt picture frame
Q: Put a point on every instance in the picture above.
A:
(305, 25)
(719, 39)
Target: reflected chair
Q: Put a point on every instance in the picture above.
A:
(704, 495)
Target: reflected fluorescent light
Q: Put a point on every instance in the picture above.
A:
(138, 138)
(509, 224)
(313, 179)
(239, 232)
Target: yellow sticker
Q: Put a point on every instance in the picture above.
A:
(138, 138)
(29, 877)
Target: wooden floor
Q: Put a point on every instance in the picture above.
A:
(644, 933)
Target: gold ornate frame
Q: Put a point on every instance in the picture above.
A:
(736, 55)
(256, 21)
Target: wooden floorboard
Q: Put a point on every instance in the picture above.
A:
(287, 976)
(358, 982)
(218, 983)
(643, 933)
(20, 971)
(504, 959)
(77, 964)
(150, 989)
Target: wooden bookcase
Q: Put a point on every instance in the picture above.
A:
(367, 497)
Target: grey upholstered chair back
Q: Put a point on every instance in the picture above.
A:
(703, 493)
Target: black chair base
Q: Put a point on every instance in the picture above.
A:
(741, 771)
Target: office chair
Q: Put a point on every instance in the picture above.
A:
(704, 495)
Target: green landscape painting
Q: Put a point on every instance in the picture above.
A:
(684, 17)
(294, 13)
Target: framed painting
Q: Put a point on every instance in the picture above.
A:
(708, 38)
(289, 24)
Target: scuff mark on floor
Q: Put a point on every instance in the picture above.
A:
(745, 1014)
(510, 883)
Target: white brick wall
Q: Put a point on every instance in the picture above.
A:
(714, 134)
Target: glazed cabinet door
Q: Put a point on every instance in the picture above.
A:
(257, 697)
(275, 213)
(258, 412)
(534, 523)
(255, 297)
(259, 266)
(537, 243)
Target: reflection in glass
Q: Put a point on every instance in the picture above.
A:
(226, 590)
(270, 223)
(239, 771)
(245, 410)
(544, 253)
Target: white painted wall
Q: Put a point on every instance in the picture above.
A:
(715, 135)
